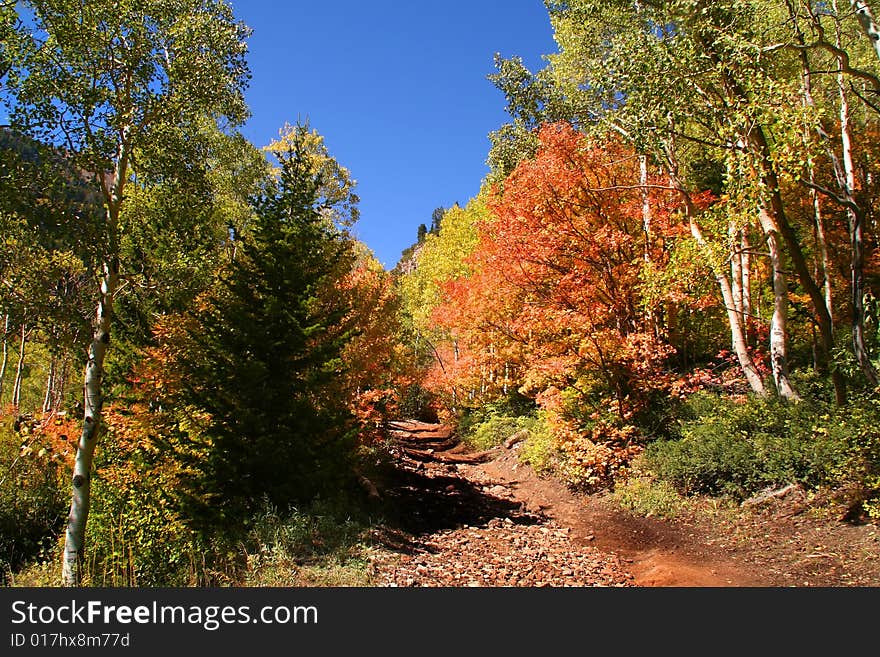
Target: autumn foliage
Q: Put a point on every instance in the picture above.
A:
(554, 301)
(555, 304)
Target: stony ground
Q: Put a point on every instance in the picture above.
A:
(464, 519)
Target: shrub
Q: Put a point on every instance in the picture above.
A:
(648, 497)
(586, 458)
(496, 429)
(738, 446)
(593, 460)
(33, 494)
(541, 449)
(712, 462)
(316, 546)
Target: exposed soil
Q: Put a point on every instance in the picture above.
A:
(463, 519)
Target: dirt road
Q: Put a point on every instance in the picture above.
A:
(459, 518)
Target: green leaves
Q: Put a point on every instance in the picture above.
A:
(102, 68)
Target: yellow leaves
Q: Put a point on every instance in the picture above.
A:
(336, 184)
(442, 258)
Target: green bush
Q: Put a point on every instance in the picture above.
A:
(712, 461)
(316, 546)
(735, 448)
(496, 429)
(136, 539)
(647, 497)
(541, 449)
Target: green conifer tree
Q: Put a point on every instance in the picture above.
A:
(266, 344)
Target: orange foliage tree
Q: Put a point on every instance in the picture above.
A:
(369, 378)
(555, 299)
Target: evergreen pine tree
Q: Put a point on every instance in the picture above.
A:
(264, 354)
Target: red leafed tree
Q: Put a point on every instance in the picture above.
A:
(555, 297)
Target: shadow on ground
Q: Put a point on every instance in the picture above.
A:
(420, 502)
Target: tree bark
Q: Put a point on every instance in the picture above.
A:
(869, 25)
(736, 269)
(50, 386)
(737, 334)
(4, 361)
(776, 209)
(856, 217)
(756, 139)
(779, 320)
(60, 383)
(808, 101)
(746, 265)
(19, 370)
(823, 351)
(93, 393)
(93, 402)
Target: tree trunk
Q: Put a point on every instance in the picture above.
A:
(779, 320)
(823, 351)
(19, 370)
(736, 270)
(93, 393)
(808, 101)
(746, 265)
(756, 139)
(822, 244)
(776, 209)
(737, 334)
(50, 386)
(823, 270)
(869, 25)
(856, 217)
(60, 384)
(646, 205)
(4, 361)
(93, 402)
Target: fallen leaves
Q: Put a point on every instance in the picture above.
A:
(509, 546)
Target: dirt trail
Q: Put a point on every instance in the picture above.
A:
(484, 519)
(656, 552)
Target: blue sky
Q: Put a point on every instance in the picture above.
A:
(397, 88)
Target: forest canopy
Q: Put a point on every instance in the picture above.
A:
(669, 271)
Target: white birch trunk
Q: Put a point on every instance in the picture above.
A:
(19, 370)
(869, 25)
(93, 401)
(746, 266)
(807, 84)
(853, 211)
(736, 269)
(826, 331)
(4, 361)
(822, 243)
(737, 332)
(93, 393)
(48, 398)
(779, 319)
